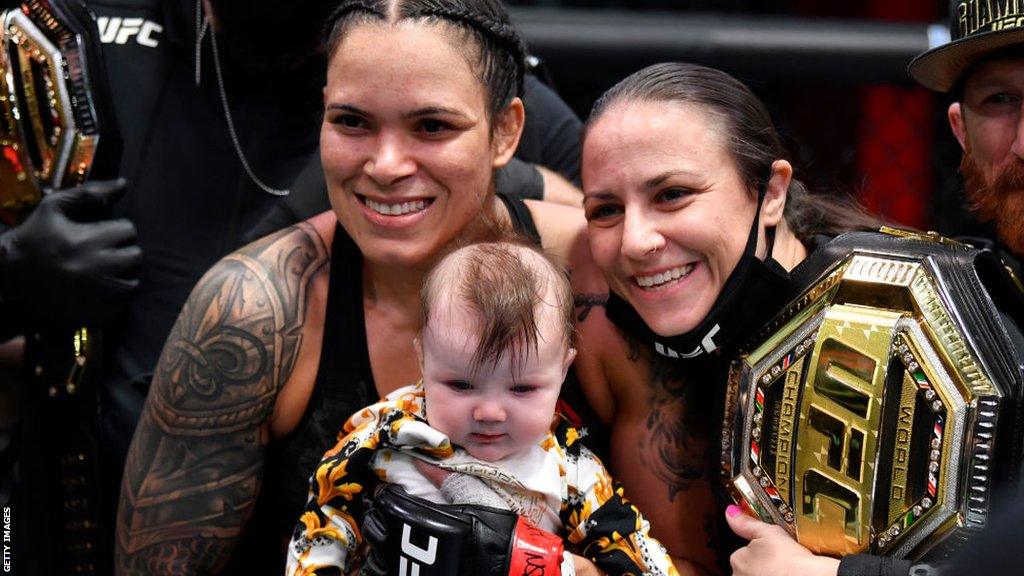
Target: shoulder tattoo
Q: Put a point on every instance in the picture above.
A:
(194, 467)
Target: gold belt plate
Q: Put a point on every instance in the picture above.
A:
(864, 422)
(48, 133)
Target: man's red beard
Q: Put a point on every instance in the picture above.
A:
(1000, 202)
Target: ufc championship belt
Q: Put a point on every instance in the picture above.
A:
(57, 128)
(879, 410)
(54, 104)
(55, 111)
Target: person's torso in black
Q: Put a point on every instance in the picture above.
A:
(188, 195)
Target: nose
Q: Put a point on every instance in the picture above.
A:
(640, 235)
(489, 410)
(390, 161)
(1018, 141)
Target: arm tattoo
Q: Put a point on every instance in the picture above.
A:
(194, 466)
(711, 528)
(584, 303)
(676, 445)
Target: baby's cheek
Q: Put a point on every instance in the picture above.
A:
(536, 427)
(440, 418)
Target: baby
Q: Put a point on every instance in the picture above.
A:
(481, 427)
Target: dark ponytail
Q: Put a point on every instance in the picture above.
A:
(750, 137)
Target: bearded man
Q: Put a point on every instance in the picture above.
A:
(983, 68)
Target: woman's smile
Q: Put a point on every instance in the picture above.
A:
(407, 146)
(660, 280)
(396, 208)
(669, 213)
(387, 212)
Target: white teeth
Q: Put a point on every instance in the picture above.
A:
(657, 280)
(395, 209)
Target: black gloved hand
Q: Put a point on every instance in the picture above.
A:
(408, 535)
(68, 262)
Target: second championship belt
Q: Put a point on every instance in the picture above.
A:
(55, 105)
(57, 128)
(879, 410)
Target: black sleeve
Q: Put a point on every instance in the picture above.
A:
(997, 549)
(517, 178)
(867, 565)
(9, 327)
(4, 228)
(551, 136)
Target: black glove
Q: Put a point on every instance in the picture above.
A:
(408, 535)
(68, 262)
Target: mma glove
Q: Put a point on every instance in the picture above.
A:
(408, 535)
(68, 262)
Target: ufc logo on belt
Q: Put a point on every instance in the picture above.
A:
(838, 444)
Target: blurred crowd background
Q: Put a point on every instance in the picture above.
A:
(832, 73)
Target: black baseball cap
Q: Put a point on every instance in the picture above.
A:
(977, 28)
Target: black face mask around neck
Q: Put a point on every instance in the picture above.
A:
(750, 296)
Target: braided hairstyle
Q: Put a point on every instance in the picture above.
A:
(501, 54)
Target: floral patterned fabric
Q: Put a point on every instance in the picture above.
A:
(560, 486)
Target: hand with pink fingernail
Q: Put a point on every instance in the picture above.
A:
(772, 551)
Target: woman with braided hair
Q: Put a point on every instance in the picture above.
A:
(283, 340)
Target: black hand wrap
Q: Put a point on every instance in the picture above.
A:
(68, 262)
(409, 535)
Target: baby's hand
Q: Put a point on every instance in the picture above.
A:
(460, 488)
(771, 551)
(435, 474)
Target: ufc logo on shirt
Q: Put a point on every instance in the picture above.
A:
(117, 30)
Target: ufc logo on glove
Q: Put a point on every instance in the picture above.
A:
(414, 555)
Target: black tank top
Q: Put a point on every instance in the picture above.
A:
(344, 384)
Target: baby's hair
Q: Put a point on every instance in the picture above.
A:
(504, 284)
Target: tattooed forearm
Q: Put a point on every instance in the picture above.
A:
(584, 303)
(194, 466)
(169, 557)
